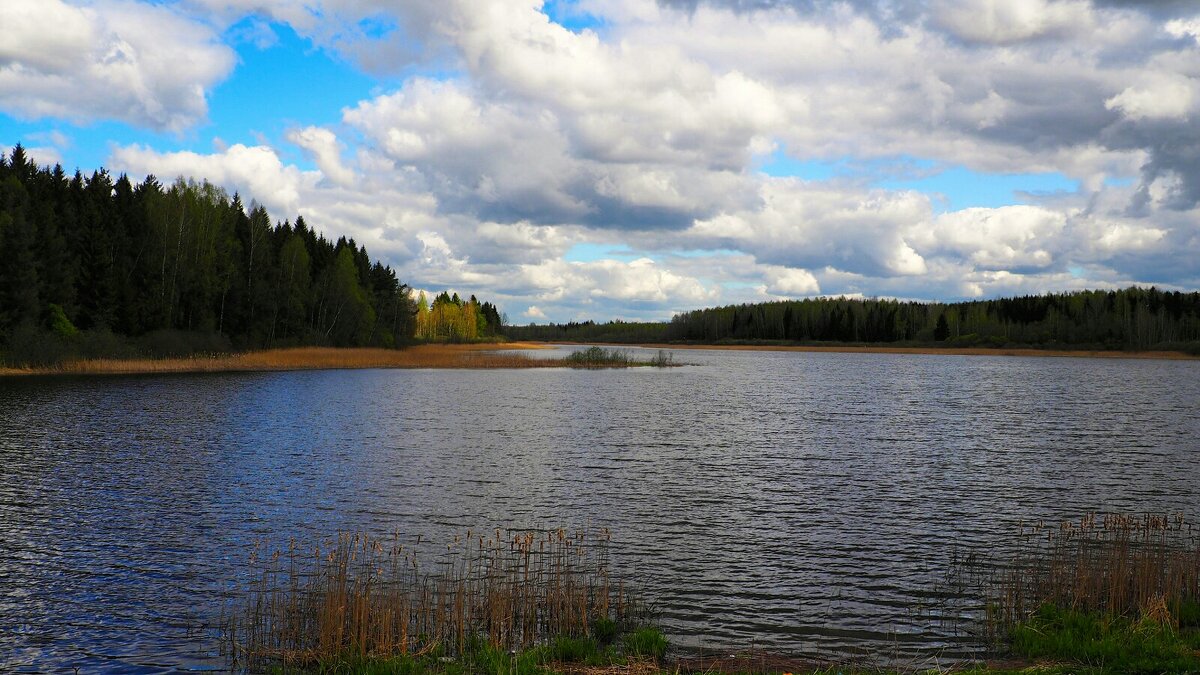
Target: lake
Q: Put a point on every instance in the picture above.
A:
(804, 503)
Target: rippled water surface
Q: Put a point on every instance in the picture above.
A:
(804, 503)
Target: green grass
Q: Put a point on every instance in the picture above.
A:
(481, 658)
(1100, 643)
(648, 642)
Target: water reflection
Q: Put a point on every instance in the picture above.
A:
(799, 502)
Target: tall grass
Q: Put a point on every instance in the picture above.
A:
(469, 356)
(599, 357)
(365, 598)
(1141, 568)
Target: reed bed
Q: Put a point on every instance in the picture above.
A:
(361, 598)
(1141, 568)
(482, 356)
(464, 356)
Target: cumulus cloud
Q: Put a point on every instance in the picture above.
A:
(647, 131)
(144, 64)
(254, 171)
(1169, 97)
(791, 282)
(323, 146)
(1006, 238)
(1008, 21)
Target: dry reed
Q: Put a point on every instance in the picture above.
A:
(1138, 567)
(365, 598)
(471, 356)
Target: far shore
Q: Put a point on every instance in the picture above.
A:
(486, 356)
(472, 356)
(946, 351)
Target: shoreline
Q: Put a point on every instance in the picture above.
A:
(476, 356)
(490, 356)
(943, 351)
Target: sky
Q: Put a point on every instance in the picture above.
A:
(601, 159)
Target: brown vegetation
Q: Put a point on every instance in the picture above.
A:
(364, 598)
(1119, 565)
(312, 358)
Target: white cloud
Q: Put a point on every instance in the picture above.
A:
(644, 133)
(1161, 97)
(256, 172)
(44, 155)
(1179, 28)
(1008, 21)
(112, 59)
(790, 281)
(996, 239)
(325, 149)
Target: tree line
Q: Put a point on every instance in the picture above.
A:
(1132, 318)
(97, 266)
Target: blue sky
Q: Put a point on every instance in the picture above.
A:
(954, 187)
(588, 159)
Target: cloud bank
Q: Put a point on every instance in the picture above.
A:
(659, 134)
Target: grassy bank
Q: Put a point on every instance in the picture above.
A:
(468, 356)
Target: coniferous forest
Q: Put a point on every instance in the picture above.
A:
(1129, 319)
(96, 266)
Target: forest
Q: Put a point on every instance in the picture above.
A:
(1133, 318)
(96, 266)
(101, 267)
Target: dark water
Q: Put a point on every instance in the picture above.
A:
(804, 503)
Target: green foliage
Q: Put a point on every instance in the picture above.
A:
(1134, 318)
(156, 270)
(647, 641)
(1107, 643)
(482, 658)
(58, 322)
(604, 631)
(452, 319)
(573, 649)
